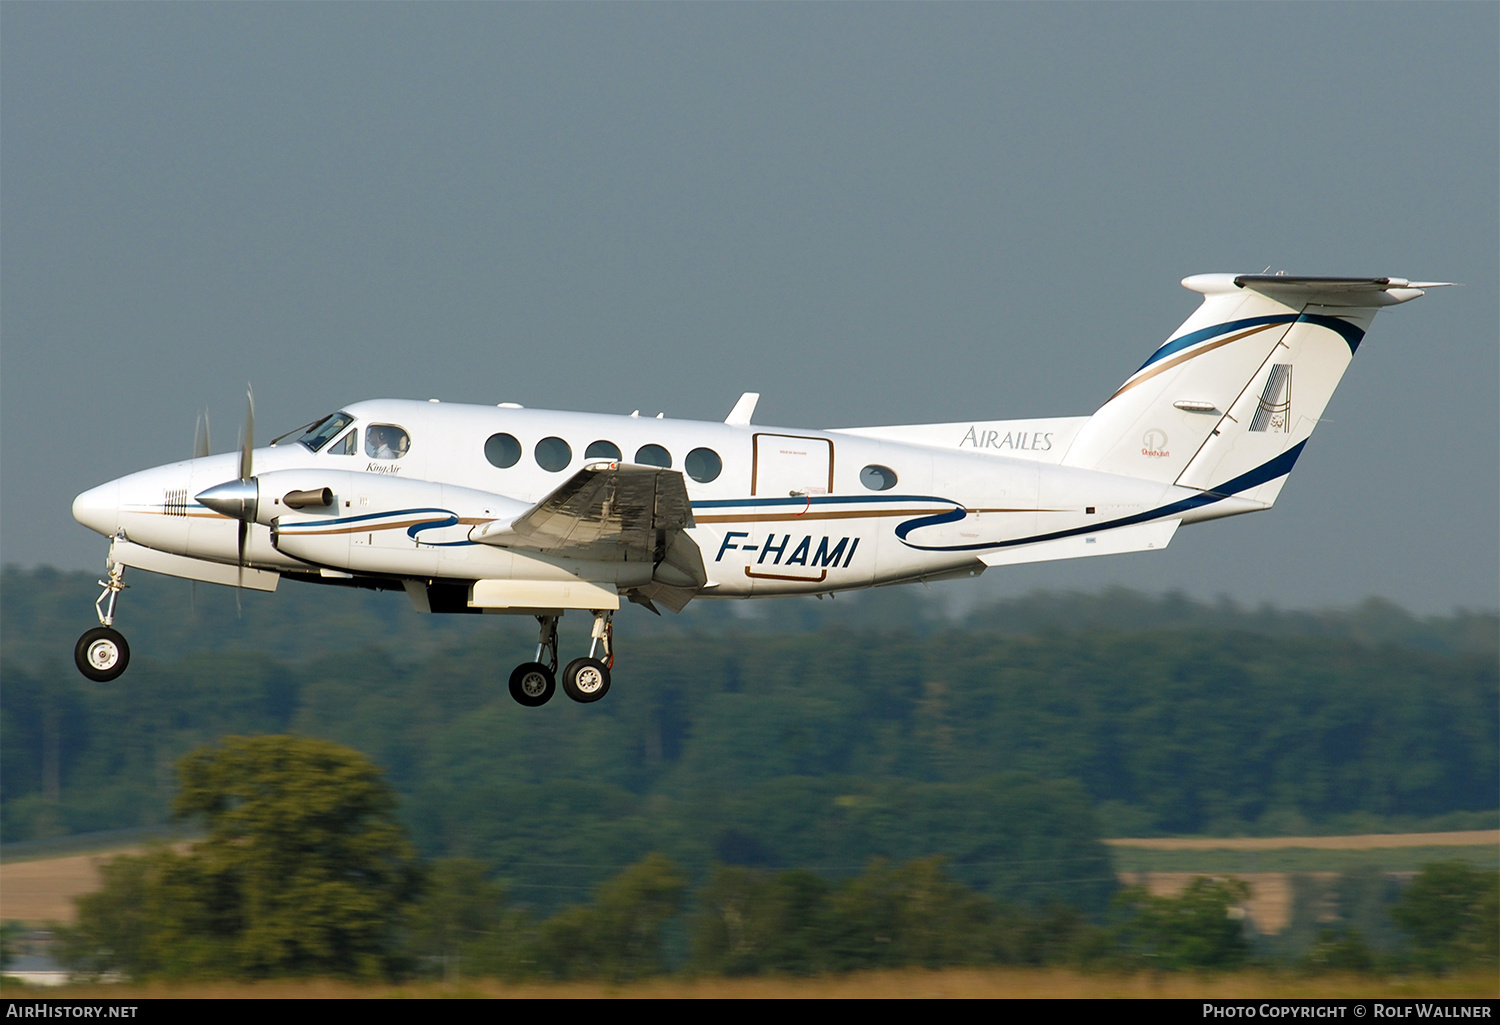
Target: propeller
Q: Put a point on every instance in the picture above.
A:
(247, 471)
(202, 446)
(238, 498)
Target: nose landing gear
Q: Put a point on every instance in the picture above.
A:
(101, 654)
(584, 679)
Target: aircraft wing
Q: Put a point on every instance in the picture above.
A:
(603, 511)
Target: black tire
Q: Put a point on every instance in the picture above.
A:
(532, 684)
(101, 654)
(586, 679)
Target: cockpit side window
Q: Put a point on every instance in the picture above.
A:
(386, 441)
(320, 433)
(348, 445)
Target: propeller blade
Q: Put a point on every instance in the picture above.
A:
(240, 571)
(202, 445)
(247, 469)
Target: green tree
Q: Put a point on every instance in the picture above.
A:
(1202, 927)
(1452, 914)
(909, 914)
(619, 935)
(304, 871)
(1342, 950)
(157, 914)
(751, 922)
(461, 925)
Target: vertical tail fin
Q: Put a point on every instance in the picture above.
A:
(1232, 396)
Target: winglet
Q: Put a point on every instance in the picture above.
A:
(743, 410)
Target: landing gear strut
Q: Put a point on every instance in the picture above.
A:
(534, 683)
(587, 679)
(584, 679)
(101, 654)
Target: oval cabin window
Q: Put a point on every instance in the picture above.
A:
(502, 450)
(654, 455)
(703, 465)
(553, 454)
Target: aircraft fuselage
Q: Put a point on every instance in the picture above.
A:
(790, 511)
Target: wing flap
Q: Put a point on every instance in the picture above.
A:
(604, 511)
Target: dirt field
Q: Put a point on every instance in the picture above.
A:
(43, 890)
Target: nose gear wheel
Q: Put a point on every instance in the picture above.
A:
(101, 654)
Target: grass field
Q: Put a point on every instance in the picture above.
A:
(914, 984)
(1389, 852)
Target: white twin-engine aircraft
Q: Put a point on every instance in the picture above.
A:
(524, 511)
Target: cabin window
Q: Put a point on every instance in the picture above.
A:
(653, 455)
(386, 441)
(877, 477)
(553, 454)
(703, 465)
(348, 445)
(603, 450)
(502, 450)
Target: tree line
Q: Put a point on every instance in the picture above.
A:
(305, 870)
(879, 731)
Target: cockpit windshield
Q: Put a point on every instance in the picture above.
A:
(320, 432)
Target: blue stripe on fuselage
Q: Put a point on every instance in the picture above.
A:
(1278, 467)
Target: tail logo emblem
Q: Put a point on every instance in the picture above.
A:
(1154, 444)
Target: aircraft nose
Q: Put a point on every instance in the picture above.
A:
(99, 508)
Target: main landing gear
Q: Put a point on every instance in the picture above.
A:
(101, 654)
(584, 679)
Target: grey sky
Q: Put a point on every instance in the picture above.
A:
(871, 214)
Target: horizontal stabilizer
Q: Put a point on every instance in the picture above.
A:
(1141, 537)
(1349, 292)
